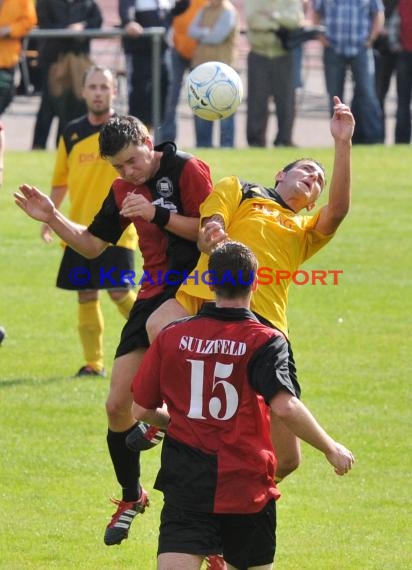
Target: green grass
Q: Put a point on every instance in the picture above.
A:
(352, 350)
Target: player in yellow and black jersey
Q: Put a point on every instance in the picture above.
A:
(86, 178)
(270, 221)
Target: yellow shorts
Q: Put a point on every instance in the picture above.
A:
(191, 304)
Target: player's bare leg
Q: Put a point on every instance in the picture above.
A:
(126, 462)
(168, 312)
(173, 560)
(145, 436)
(119, 400)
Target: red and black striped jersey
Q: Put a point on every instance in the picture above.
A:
(216, 372)
(181, 184)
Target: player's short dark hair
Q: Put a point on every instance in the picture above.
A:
(232, 268)
(295, 162)
(121, 131)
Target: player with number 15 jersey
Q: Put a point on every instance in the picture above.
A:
(219, 420)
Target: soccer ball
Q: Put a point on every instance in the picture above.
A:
(214, 90)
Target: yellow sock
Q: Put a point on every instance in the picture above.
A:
(126, 303)
(91, 327)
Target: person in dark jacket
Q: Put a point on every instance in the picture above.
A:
(138, 51)
(75, 15)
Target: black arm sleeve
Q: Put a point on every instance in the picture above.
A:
(126, 11)
(108, 224)
(180, 7)
(94, 18)
(269, 369)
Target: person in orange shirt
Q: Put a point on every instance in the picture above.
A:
(216, 28)
(179, 58)
(17, 18)
(2, 141)
(2, 147)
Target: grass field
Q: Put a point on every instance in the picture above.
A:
(351, 343)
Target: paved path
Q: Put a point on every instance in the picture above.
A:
(311, 125)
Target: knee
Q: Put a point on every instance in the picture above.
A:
(153, 326)
(159, 319)
(117, 408)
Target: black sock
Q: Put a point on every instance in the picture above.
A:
(126, 464)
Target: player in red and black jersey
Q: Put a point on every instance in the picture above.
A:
(219, 374)
(160, 192)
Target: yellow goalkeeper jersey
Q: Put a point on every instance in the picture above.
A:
(87, 176)
(281, 240)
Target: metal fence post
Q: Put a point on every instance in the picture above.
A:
(156, 34)
(156, 82)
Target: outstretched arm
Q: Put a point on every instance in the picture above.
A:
(301, 422)
(342, 126)
(57, 195)
(41, 208)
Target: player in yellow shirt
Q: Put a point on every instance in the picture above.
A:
(269, 222)
(257, 216)
(81, 173)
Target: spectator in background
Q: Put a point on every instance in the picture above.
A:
(179, 58)
(86, 183)
(216, 29)
(271, 70)
(385, 53)
(351, 30)
(298, 50)
(2, 149)
(135, 17)
(17, 18)
(75, 15)
(404, 74)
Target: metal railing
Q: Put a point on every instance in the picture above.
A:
(156, 34)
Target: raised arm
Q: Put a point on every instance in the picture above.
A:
(342, 126)
(296, 416)
(41, 208)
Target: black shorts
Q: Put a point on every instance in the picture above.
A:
(245, 540)
(112, 269)
(134, 333)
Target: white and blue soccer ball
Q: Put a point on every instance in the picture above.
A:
(214, 90)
